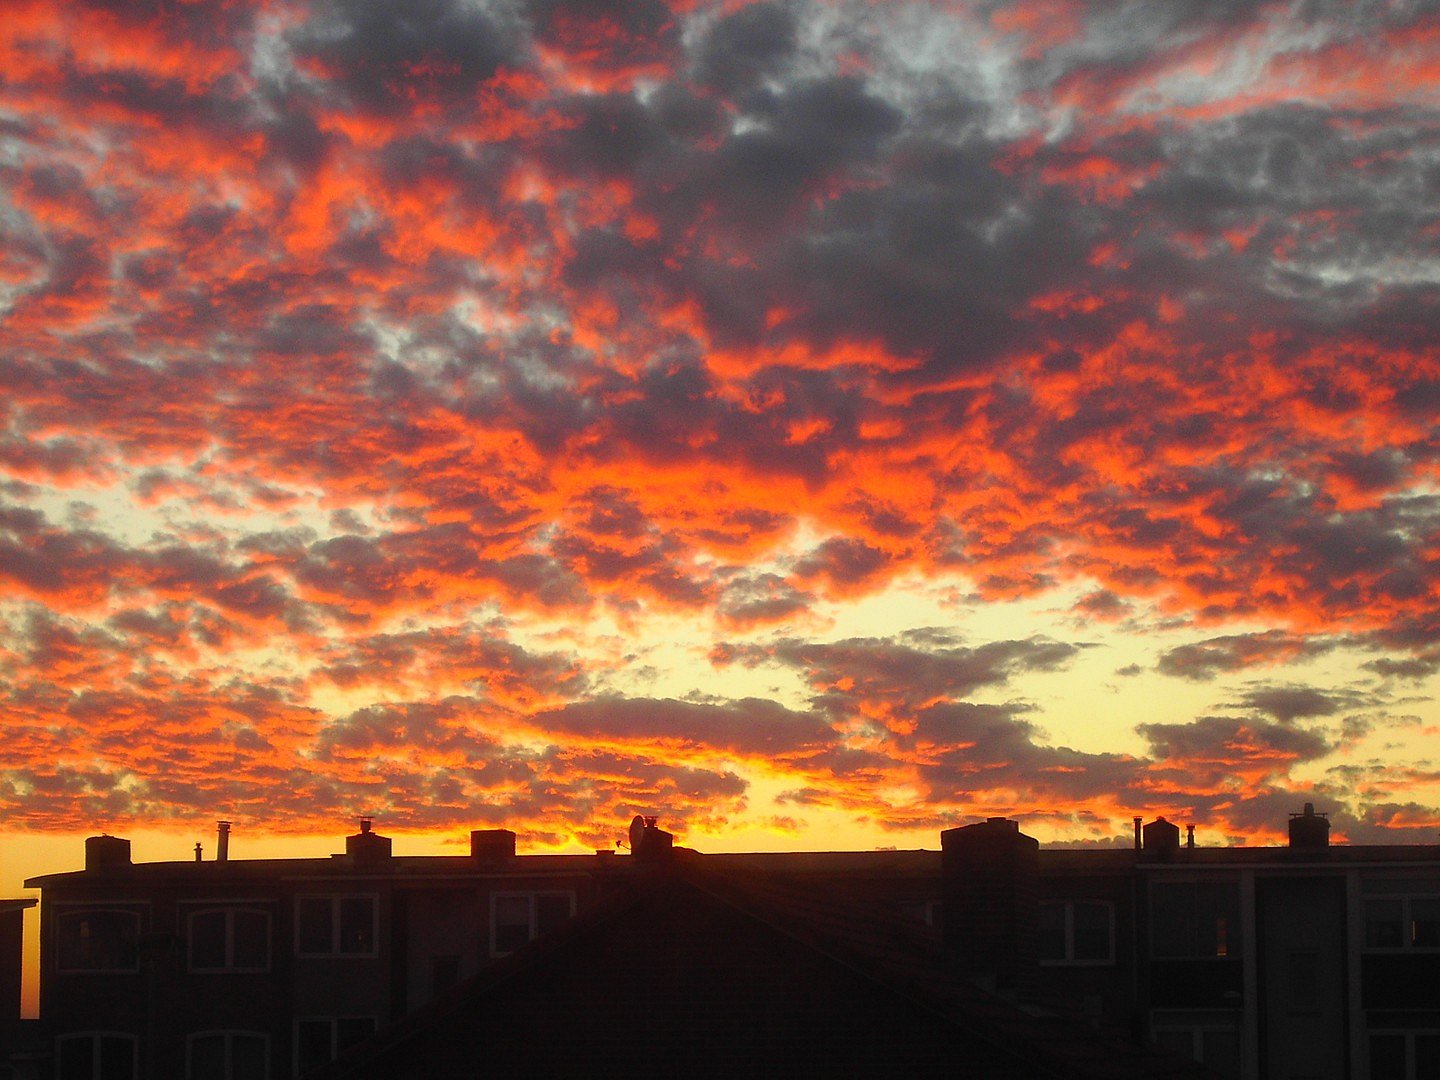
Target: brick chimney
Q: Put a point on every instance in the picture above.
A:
(366, 846)
(1309, 830)
(648, 840)
(989, 875)
(103, 852)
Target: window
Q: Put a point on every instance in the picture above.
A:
(1217, 1047)
(1195, 920)
(97, 1056)
(1077, 932)
(97, 941)
(227, 1055)
(335, 926)
(320, 1041)
(1402, 922)
(229, 939)
(516, 918)
(1404, 1055)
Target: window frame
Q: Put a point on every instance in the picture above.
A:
(335, 952)
(1407, 922)
(228, 1034)
(94, 1036)
(1409, 1034)
(229, 911)
(1069, 959)
(334, 1024)
(1234, 940)
(72, 911)
(533, 896)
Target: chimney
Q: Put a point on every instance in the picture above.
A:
(1190, 836)
(103, 852)
(989, 875)
(222, 841)
(1309, 830)
(492, 844)
(1160, 838)
(198, 850)
(1138, 819)
(648, 840)
(367, 847)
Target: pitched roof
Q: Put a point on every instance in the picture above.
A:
(710, 969)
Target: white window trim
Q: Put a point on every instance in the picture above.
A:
(1069, 958)
(228, 1033)
(75, 910)
(532, 895)
(230, 968)
(335, 953)
(1197, 1032)
(75, 1036)
(1407, 921)
(1409, 1036)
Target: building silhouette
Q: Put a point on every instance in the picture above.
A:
(991, 957)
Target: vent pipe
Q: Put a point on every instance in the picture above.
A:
(1138, 820)
(1189, 836)
(222, 841)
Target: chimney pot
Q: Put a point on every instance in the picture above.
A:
(222, 841)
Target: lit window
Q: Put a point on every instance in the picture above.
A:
(516, 918)
(1077, 932)
(97, 941)
(335, 926)
(1402, 922)
(227, 1055)
(97, 1056)
(322, 1040)
(229, 939)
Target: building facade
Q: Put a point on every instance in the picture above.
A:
(1295, 963)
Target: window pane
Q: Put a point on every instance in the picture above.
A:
(357, 924)
(350, 1030)
(251, 939)
(1091, 931)
(98, 941)
(1427, 1055)
(1221, 1051)
(1180, 1042)
(312, 1044)
(1173, 912)
(550, 911)
(207, 939)
(1387, 1057)
(117, 1058)
(207, 1057)
(1051, 939)
(77, 1058)
(1425, 922)
(512, 923)
(315, 930)
(248, 1058)
(1383, 921)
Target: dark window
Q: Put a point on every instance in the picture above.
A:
(444, 973)
(320, 1041)
(1194, 920)
(1402, 922)
(228, 1055)
(1387, 1057)
(229, 940)
(96, 1057)
(97, 940)
(1077, 932)
(516, 918)
(335, 926)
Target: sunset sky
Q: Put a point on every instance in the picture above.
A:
(816, 424)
